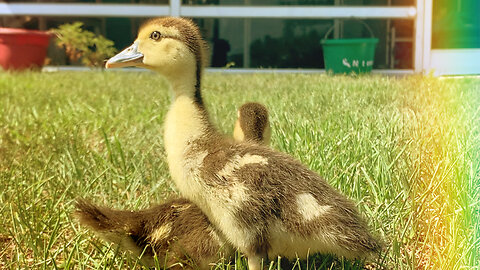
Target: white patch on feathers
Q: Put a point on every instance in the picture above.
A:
(161, 233)
(309, 208)
(238, 162)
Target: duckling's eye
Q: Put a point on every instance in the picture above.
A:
(155, 35)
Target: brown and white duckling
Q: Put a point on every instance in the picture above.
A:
(263, 201)
(177, 229)
(177, 232)
(252, 124)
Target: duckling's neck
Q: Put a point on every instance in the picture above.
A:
(186, 121)
(186, 83)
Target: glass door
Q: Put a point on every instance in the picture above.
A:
(455, 37)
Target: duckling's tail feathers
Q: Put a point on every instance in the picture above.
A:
(104, 219)
(125, 228)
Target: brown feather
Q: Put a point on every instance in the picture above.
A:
(188, 237)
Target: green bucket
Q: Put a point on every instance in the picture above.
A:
(354, 55)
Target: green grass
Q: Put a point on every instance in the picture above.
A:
(406, 149)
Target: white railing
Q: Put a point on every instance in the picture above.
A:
(129, 10)
(175, 8)
(290, 12)
(84, 10)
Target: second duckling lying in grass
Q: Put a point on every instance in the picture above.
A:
(176, 231)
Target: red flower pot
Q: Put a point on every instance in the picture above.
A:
(22, 49)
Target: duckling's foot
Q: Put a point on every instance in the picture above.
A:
(256, 262)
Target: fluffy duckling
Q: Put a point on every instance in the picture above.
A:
(263, 201)
(252, 124)
(177, 232)
(176, 229)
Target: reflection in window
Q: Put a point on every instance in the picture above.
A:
(293, 43)
(455, 24)
(281, 43)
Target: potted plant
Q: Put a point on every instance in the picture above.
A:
(82, 45)
(21, 48)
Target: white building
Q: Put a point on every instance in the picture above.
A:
(421, 36)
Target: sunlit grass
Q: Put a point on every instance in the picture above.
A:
(406, 149)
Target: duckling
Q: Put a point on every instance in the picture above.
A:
(252, 124)
(176, 229)
(177, 232)
(264, 202)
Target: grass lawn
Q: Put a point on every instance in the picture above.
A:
(407, 150)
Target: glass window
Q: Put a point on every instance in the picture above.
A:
(267, 42)
(455, 24)
(292, 43)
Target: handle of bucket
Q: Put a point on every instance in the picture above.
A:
(364, 23)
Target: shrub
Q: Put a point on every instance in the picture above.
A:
(83, 45)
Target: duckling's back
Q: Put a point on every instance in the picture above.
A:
(266, 201)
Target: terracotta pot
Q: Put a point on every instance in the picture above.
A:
(21, 49)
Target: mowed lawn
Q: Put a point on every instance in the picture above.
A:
(407, 150)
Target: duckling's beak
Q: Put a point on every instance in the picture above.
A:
(129, 57)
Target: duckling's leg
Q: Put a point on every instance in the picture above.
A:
(256, 261)
(257, 256)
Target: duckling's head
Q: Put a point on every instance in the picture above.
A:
(170, 46)
(252, 124)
